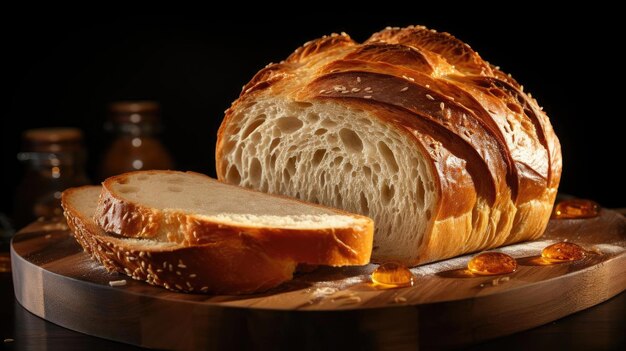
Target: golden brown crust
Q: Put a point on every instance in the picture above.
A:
(510, 152)
(330, 246)
(222, 267)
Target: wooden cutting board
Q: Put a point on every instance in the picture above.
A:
(340, 308)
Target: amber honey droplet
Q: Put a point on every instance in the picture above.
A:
(393, 275)
(576, 208)
(563, 252)
(492, 263)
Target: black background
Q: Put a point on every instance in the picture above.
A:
(62, 70)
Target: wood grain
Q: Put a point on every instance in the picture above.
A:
(55, 280)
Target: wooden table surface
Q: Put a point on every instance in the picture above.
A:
(602, 327)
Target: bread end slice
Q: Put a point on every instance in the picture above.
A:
(234, 265)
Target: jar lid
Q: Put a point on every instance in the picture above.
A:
(135, 112)
(52, 139)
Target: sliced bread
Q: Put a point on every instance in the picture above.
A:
(233, 265)
(193, 209)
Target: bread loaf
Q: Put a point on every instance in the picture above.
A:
(413, 128)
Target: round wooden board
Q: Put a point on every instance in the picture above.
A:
(336, 308)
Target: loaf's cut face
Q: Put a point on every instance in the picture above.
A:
(412, 128)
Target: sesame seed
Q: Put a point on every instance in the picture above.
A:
(164, 264)
(171, 268)
(178, 287)
(442, 105)
(178, 273)
(180, 265)
(159, 270)
(358, 79)
(322, 91)
(368, 96)
(188, 284)
(430, 97)
(355, 90)
(141, 254)
(404, 89)
(204, 288)
(117, 282)
(192, 275)
(399, 299)
(427, 85)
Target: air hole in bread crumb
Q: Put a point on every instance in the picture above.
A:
(387, 193)
(289, 124)
(255, 171)
(312, 117)
(291, 165)
(233, 175)
(252, 126)
(388, 156)
(365, 208)
(274, 144)
(126, 189)
(322, 179)
(318, 156)
(338, 197)
(367, 171)
(347, 167)
(321, 131)
(428, 214)
(175, 189)
(273, 161)
(329, 123)
(351, 140)
(420, 194)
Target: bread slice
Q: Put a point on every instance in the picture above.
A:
(192, 209)
(233, 265)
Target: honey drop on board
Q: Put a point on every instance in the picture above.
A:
(563, 252)
(393, 275)
(575, 208)
(492, 263)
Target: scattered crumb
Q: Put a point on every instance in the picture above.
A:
(347, 299)
(399, 299)
(345, 296)
(48, 236)
(117, 282)
(497, 281)
(482, 285)
(8, 340)
(327, 290)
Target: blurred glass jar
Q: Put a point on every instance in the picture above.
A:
(54, 160)
(135, 146)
